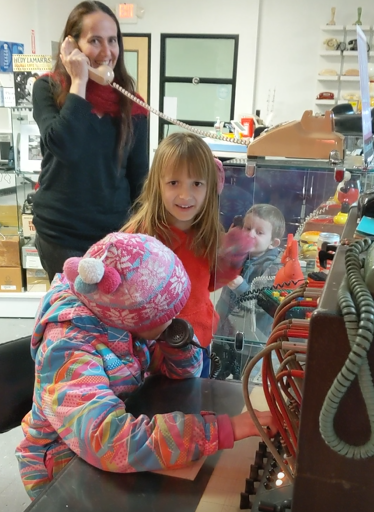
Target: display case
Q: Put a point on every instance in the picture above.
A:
(19, 173)
(306, 193)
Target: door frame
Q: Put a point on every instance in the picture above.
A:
(224, 81)
(148, 36)
(147, 100)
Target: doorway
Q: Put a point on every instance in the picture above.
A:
(198, 77)
(137, 58)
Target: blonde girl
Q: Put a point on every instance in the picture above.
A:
(179, 205)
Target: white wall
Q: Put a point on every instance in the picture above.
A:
(289, 44)
(278, 45)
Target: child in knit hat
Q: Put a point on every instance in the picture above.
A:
(95, 338)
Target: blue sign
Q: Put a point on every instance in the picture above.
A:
(6, 53)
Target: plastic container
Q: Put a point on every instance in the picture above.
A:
(217, 126)
(249, 125)
(331, 239)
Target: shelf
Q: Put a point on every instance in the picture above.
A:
(340, 28)
(332, 28)
(330, 53)
(325, 102)
(349, 78)
(336, 53)
(328, 78)
(336, 78)
(19, 305)
(340, 102)
(352, 28)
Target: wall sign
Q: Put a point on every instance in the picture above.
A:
(126, 13)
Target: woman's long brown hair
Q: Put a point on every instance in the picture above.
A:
(61, 88)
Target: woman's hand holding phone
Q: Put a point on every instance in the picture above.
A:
(76, 64)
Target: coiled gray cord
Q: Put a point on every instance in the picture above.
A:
(357, 306)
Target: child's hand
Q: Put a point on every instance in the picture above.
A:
(233, 285)
(243, 425)
(235, 247)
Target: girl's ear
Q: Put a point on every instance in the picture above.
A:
(220, 176)
(275, 243)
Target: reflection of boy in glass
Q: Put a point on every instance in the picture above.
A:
(266, 226)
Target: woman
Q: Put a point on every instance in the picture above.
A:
(93, 141)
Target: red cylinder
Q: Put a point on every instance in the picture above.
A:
(248, 124)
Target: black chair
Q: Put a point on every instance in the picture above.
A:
(17, 373)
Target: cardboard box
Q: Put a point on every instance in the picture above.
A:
(10, 279)
(27, 225)
(9, 251)
(9, 215)
(30, 256)
(9, 230)
(37, 280)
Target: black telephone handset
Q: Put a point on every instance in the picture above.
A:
(365, 204)
(238, 221)
(179, 334)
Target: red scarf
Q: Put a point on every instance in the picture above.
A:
(104, 98)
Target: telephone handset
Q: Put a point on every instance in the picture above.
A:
(180, 334)
(104, 75)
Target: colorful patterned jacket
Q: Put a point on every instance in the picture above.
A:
(82, 365)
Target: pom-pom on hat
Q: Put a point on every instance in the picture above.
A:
(130, 281)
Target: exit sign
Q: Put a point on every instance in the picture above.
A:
(126, 13)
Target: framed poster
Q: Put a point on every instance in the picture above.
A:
(30, 156)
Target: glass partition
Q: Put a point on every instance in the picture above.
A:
(305, 197)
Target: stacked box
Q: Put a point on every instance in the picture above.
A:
(37, 280)
(10, 279)
(9, 251)
(30, 256)
(10, 264)
(9, 215)
(27, 225)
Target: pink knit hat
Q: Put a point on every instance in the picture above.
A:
(130, 281)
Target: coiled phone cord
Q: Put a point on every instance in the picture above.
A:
(357, 306)
(242, 142)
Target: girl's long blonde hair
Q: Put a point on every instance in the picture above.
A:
(150, 217)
